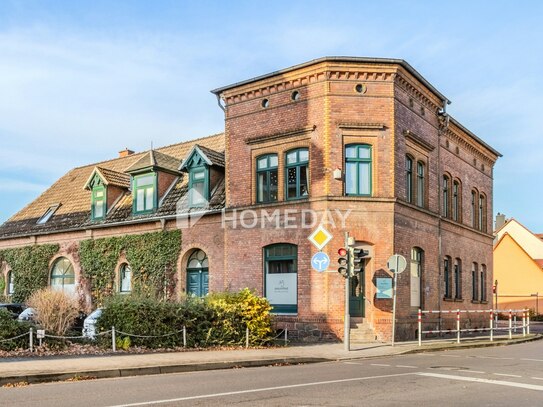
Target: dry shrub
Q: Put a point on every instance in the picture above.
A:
(55, 310)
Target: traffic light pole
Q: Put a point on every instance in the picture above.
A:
(347, 317)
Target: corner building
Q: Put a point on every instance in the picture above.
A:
(359, 145)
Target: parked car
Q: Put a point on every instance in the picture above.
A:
(27, 315)
(89, 325)
(15, 309)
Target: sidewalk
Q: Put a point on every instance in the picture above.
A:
(34, 370)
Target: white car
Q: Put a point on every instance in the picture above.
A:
(89, 325)
(27, 315)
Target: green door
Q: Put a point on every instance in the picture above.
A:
(197, 274)
(356, 297)
(197, 282)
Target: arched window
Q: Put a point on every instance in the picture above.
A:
(474, 219)
(482, 283)
(63, 276)
(458, 279)
(10, 286)
(417, 256)
(358, 162)
(281, 277)
(445, 203)
(297, 173)
(125, 278)
(409, 179)
(266, 178)
(198, 273)
(447, 276)
(421, 198)
(474, 285)
(482, 212)
(456, 201)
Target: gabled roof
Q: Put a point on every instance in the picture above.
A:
(532, 244)
(74, 212)
(210, 157)
(153, 159)
(109, 177)
(538, 262)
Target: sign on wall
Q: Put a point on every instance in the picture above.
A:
(384, 287)
(281, 288)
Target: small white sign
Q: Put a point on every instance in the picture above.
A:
(40, 333)
(396, 263)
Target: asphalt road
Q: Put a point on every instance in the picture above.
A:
(498, 376)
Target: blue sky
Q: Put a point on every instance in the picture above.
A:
(81, 80)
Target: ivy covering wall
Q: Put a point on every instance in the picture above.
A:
(30, 268)
(151, 256)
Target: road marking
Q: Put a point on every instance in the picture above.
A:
(380, 364)
(352, 363)
(231, 393)
(451, 356)
(486, 381)
(507, 375)
(471, 371)
(407, 366)
(537, 378)
(533, 360)
(491, 357)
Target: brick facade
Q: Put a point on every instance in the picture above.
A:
(384, 104)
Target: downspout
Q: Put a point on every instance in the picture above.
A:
(219, 102)
(443, 119)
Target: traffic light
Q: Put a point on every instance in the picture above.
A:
(356, 257)
(342, 262)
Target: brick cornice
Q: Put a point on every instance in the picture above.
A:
(418, 140)
(362, 126)
(468, 145)
(424, 97)
(276, 136)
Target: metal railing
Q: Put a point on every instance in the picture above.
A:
(492, 318)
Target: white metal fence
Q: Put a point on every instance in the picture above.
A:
(494, 326)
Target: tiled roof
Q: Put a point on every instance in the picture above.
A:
(118, 179)
(216, 158)
(155, 159)
(74, 212)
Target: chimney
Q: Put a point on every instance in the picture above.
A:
(500, 220)
(125, 153)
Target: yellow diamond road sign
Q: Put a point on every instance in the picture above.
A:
(320, 237)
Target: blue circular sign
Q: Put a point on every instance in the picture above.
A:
(320, 261)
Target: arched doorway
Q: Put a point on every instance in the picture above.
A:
(197, 273)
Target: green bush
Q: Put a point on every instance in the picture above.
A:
(10, 328)
(219, 319)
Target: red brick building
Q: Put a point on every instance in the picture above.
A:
(359, 145)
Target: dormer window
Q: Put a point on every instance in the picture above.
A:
(48, 214)
(200, 163)
(145, 193)
(198, 186)
(98, 204)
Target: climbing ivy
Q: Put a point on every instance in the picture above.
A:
(30, 268)
(152, 258)
(98, 259)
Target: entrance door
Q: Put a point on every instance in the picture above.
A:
(356, 298)
(197, 274)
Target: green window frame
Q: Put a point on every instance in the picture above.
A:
(297, 174)
(446, 195)
(447, 276)
(409, 179)
(267, 178)
(145, 193)
(474, 285)
(198, 187)
(456, 201)
(98, 202)
(358, 171)
(421, 193)
(280, 274)
(63, 275)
